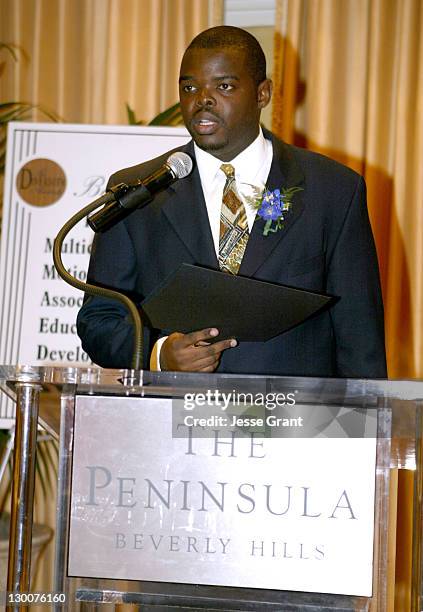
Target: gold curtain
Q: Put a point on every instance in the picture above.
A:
(84, 59)
(349, 84)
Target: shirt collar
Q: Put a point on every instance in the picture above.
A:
(251, 157)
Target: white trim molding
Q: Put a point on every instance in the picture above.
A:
(247, 13)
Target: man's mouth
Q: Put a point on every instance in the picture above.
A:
(205, 125)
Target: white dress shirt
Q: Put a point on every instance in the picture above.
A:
(252, 167)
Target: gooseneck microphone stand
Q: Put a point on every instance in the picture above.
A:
(93, 290)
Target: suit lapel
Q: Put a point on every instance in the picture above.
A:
(187, 213)
(284, 172)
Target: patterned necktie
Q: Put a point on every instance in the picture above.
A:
(233, 225)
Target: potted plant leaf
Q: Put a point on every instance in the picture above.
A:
(47, 448)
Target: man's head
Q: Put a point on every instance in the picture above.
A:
(222, 89)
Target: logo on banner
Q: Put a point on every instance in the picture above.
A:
(41, 182)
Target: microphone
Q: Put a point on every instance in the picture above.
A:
(127, 198)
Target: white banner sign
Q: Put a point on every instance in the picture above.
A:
(289, 514)
(52, 171)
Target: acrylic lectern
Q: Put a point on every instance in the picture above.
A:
(220, 492)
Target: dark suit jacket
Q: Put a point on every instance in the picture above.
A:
(326, 245)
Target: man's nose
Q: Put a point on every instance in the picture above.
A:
(205, 98)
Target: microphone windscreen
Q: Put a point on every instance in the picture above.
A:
(180, 163)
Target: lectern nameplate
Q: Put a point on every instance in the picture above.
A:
(271, 513)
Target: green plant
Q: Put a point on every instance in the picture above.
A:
(46, 465)
(15, 110)
(47, 448)
(171, 116)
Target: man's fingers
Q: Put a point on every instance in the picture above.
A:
(206, 362)
(209, 368)
(222, 345)
(192, 352)
(203, 335)
(208, 365)
(201, 339)
(206, 357)
(200, 352)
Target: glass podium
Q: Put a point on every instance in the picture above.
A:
(144, 518)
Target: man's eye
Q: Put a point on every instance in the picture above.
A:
(188, 88)
(225, 86)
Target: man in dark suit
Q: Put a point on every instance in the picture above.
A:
(325, 243)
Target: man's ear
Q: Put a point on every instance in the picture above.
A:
(264, 93)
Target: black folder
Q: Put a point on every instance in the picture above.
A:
(194, 298)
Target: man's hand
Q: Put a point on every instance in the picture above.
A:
(193, 352)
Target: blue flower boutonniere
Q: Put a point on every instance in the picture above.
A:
(273, 207)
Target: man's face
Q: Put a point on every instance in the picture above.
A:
(220, 101)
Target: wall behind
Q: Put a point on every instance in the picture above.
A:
(85, 58)
(349, 84)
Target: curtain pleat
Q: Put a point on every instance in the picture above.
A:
(84, 59)
(349, 84)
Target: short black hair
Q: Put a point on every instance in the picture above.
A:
(230, 36)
